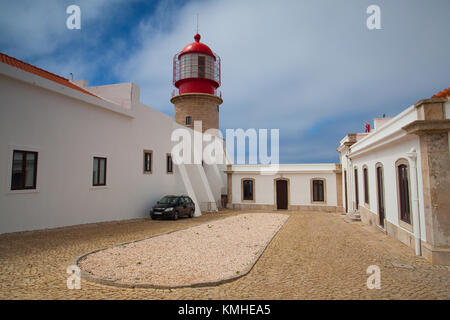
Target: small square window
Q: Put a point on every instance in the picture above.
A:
(148, 161)
(99, 172)
(169, 164)
(318, 191)
(188, 120)
(24, 170)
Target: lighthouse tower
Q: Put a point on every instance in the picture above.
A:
(196, 75)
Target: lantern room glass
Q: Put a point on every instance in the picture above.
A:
(196, 65)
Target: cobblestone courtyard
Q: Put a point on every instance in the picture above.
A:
(314, 256)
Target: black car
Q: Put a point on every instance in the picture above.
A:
(173, 207)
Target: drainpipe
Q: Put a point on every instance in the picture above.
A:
(412, 155)
(351, 207)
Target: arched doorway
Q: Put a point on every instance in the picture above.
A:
(281, 194)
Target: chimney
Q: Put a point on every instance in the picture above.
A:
(80, 83)
(378, 122)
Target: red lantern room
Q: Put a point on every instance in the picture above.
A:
(196, 69)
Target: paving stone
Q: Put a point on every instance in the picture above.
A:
(314, 256)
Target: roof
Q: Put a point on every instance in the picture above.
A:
(443, 94)
(283, 168)
(197, 47)
(40, 72)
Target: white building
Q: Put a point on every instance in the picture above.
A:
(86, 150)
(397, 177)
(290, 186)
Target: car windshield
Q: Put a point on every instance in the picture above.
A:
(168, 200)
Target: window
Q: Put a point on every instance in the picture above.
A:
(195, 65)
(366, 185)
(169, 164)
(148, 161)
(248, 189)
(24, 170)
(187, 200)
(201, 66)
(380, 194)
(318, 190)
(188, 120)
(403, 192)
(99, 172)
(356, 189)
(168, 200)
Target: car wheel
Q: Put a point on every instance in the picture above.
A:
(191, 214)
(175, 215)
(153, 218)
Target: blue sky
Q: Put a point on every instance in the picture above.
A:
(310, 68)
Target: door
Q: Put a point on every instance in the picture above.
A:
(380, 192)
(282, 194)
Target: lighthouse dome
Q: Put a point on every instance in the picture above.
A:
(196, 69)
(197, 47)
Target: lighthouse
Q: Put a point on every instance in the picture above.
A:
(196, 76)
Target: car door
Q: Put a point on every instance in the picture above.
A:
(190, 204)
(183, 206)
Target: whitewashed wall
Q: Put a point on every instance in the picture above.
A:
(387, 156)
(300, 183)
(386, 145)
(68, 129)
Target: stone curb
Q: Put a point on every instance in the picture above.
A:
(109, 282)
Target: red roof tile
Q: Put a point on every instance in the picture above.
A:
(443, 94)
(40, 72)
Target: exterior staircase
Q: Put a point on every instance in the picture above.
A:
(352, 216)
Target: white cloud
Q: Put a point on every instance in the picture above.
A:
(285, 64)
(36, 32)
(289, 64)
(32, 27)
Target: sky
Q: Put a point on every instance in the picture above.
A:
(310, 68)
